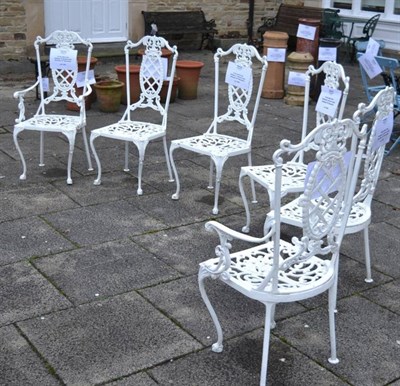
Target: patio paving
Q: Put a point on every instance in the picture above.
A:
(98, 286)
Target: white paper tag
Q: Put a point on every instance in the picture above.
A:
(297, 79)
(80, 79)
(63, 59)
(383, 131)
(370, 65)
(327, 53)
(326, 178)
(45, 84)
(238, 76)
(372, 47)
(328, 101)
(306, 32)
(276, 54)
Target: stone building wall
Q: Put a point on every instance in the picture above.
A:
(13, 30)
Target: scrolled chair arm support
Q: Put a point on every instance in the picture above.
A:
(225, 236)
(21, 104)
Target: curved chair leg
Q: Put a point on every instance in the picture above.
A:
(267, 333)
(85, 142)
(41, 149)
(246, 228)
(219, 164)
(253, 189)
(171, 179)
(217, 346)
(71, 142)
(332, 306)
(15, 136)
(142, 149)
(173, 146)
(210, 179)
(93, 136)
(368, 278)
(126, 167)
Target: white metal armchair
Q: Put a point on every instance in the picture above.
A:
(360, 214)
(276, 271)
(219, 147)
(294, 171)
(64, 71)
(151, 78)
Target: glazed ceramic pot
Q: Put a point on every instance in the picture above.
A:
(134, 87)
(189, 73)
(109, 93)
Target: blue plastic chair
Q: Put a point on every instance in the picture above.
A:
(389, 78)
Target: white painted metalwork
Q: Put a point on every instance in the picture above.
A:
(277, 271)
(64, 81)
(293, 172)
(219, 147)
(151, 78)
(360, 214)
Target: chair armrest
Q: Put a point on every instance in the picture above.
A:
(21, 103)
(210, 24)
(225, 236)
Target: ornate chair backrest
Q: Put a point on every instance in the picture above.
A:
(240, 76)
(153, 73)
(63, 67)
(335, 78)
(370, 26)
(382, 104)
(326, 200)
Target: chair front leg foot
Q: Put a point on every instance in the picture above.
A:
(22, 177)
(334, 361)
(217, 347)
(90, 169)
(175, 196)
(139, 192)
(126, 170)
(41, 165)
(97, 181)
(69, 181)
(245, 229)
(215, 210)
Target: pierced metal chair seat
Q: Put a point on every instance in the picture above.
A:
(249, 268)
(151, 79)
(279, 271)
(294, 171)
(64, 81)
(219, 147)
(360, 213)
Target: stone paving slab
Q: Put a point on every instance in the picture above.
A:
(371, 359)
(103, 222)
(104, 270)
(29, 237)
(239, 363)
(25, 293)
(140, 379)
(106, 340)
(19, 364)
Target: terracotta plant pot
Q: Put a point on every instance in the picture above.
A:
(79, 90)
(189, 73)
(109, 94)
(164, 89)
(134, 86)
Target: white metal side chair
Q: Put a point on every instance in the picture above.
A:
(277, 271)
(64, 72)
(360, 214)
(293, 172)
(213, 143)
(151, 78)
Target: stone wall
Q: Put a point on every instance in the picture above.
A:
(229, 15)
(13, 30)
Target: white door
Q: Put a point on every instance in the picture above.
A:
(99, 20)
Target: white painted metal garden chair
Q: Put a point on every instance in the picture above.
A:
(214, 142)
(277, 271)
(151, 78)
(293, 172)
(360, 214)
(64, 72)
